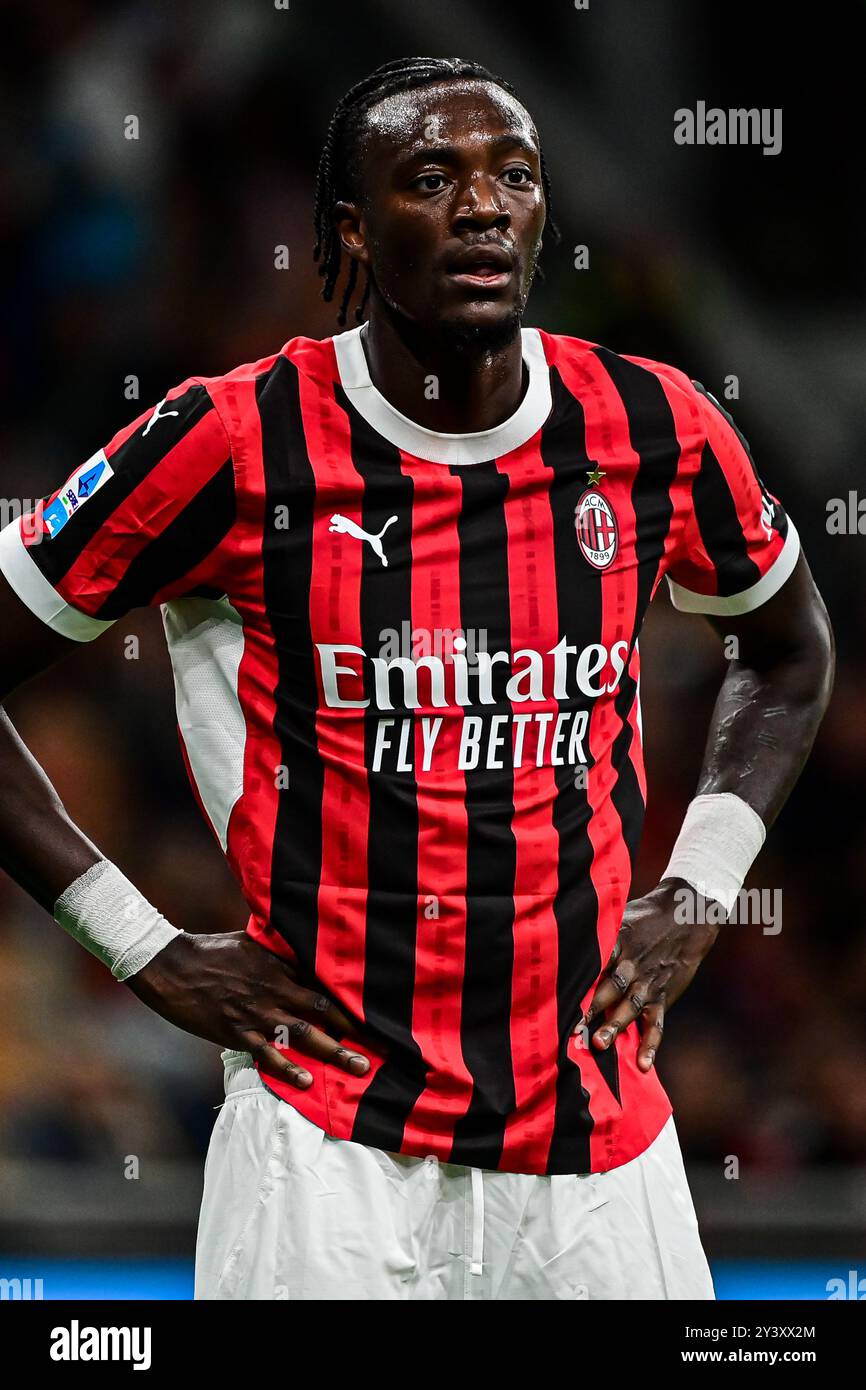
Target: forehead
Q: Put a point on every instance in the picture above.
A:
(454, 112)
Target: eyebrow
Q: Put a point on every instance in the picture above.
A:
(453, 153)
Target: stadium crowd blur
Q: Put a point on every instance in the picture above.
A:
(154, 258)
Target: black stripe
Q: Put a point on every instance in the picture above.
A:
(719, 525)
(183, 545)
(287, 554)
(491, 849)
(780, 520)
(578, 586)
(131, 464)
(653, 437)
(392, 854)
(626, 794)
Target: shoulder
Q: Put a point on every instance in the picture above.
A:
(686, 397)
(563, 347)
(238, 396)
(312, 357)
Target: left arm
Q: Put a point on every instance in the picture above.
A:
(767, 713)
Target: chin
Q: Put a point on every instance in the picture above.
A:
(474, 331)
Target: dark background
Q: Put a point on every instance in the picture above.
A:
(154, 258)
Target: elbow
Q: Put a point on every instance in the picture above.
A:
(812, 665)
(823, 655)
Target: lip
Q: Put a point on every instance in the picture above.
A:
(486, 267)
(493, 281)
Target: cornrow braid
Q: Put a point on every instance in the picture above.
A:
(340, 159)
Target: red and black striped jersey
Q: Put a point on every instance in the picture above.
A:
(407, 679)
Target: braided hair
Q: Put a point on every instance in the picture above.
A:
(341, 156)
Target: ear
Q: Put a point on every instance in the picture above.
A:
(349, 222)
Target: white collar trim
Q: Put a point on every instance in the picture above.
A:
(449, 449)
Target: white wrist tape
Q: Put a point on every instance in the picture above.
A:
(109, 917)
(720, 838)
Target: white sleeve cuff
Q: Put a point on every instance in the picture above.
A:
(730, 605)
(35, 592)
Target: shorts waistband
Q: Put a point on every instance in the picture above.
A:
(240, 1073)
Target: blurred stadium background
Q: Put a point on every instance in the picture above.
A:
(155, 258)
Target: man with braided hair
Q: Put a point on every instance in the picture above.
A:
(441, 1022)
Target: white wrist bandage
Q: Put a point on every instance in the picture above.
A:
(719, 840)
(109, 917)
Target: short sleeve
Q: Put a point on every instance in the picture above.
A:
(736, 546)
(141, 522)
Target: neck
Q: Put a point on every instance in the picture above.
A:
(440, 383)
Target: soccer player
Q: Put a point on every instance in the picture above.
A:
(403, 572)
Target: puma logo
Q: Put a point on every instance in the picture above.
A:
(157, 416)
(345, 526)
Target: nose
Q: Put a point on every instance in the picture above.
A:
(480, 206)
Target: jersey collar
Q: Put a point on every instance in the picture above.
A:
(449, 449)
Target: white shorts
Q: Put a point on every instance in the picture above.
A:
(290, 1213)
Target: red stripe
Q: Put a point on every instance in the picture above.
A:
(442, 819)
(253, 822)
(335, 617)
(534, 626)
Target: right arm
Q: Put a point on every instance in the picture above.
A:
(40, 847)
(223, 987)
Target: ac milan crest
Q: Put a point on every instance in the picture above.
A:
(597, 530)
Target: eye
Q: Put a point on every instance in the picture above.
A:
(518, 177)
(430, 183)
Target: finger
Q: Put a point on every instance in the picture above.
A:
(611, 988)
(584, 1019)
(652, 1032)
(625, 1013)
(300, 1034)
(276, 1064)
(319, 1009)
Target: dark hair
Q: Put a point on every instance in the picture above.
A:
(341, 151)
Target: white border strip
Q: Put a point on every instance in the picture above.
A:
(206, 646)
(730, 605)
(449, 449)
(35, 592)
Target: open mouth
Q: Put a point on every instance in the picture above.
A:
(482, 267)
